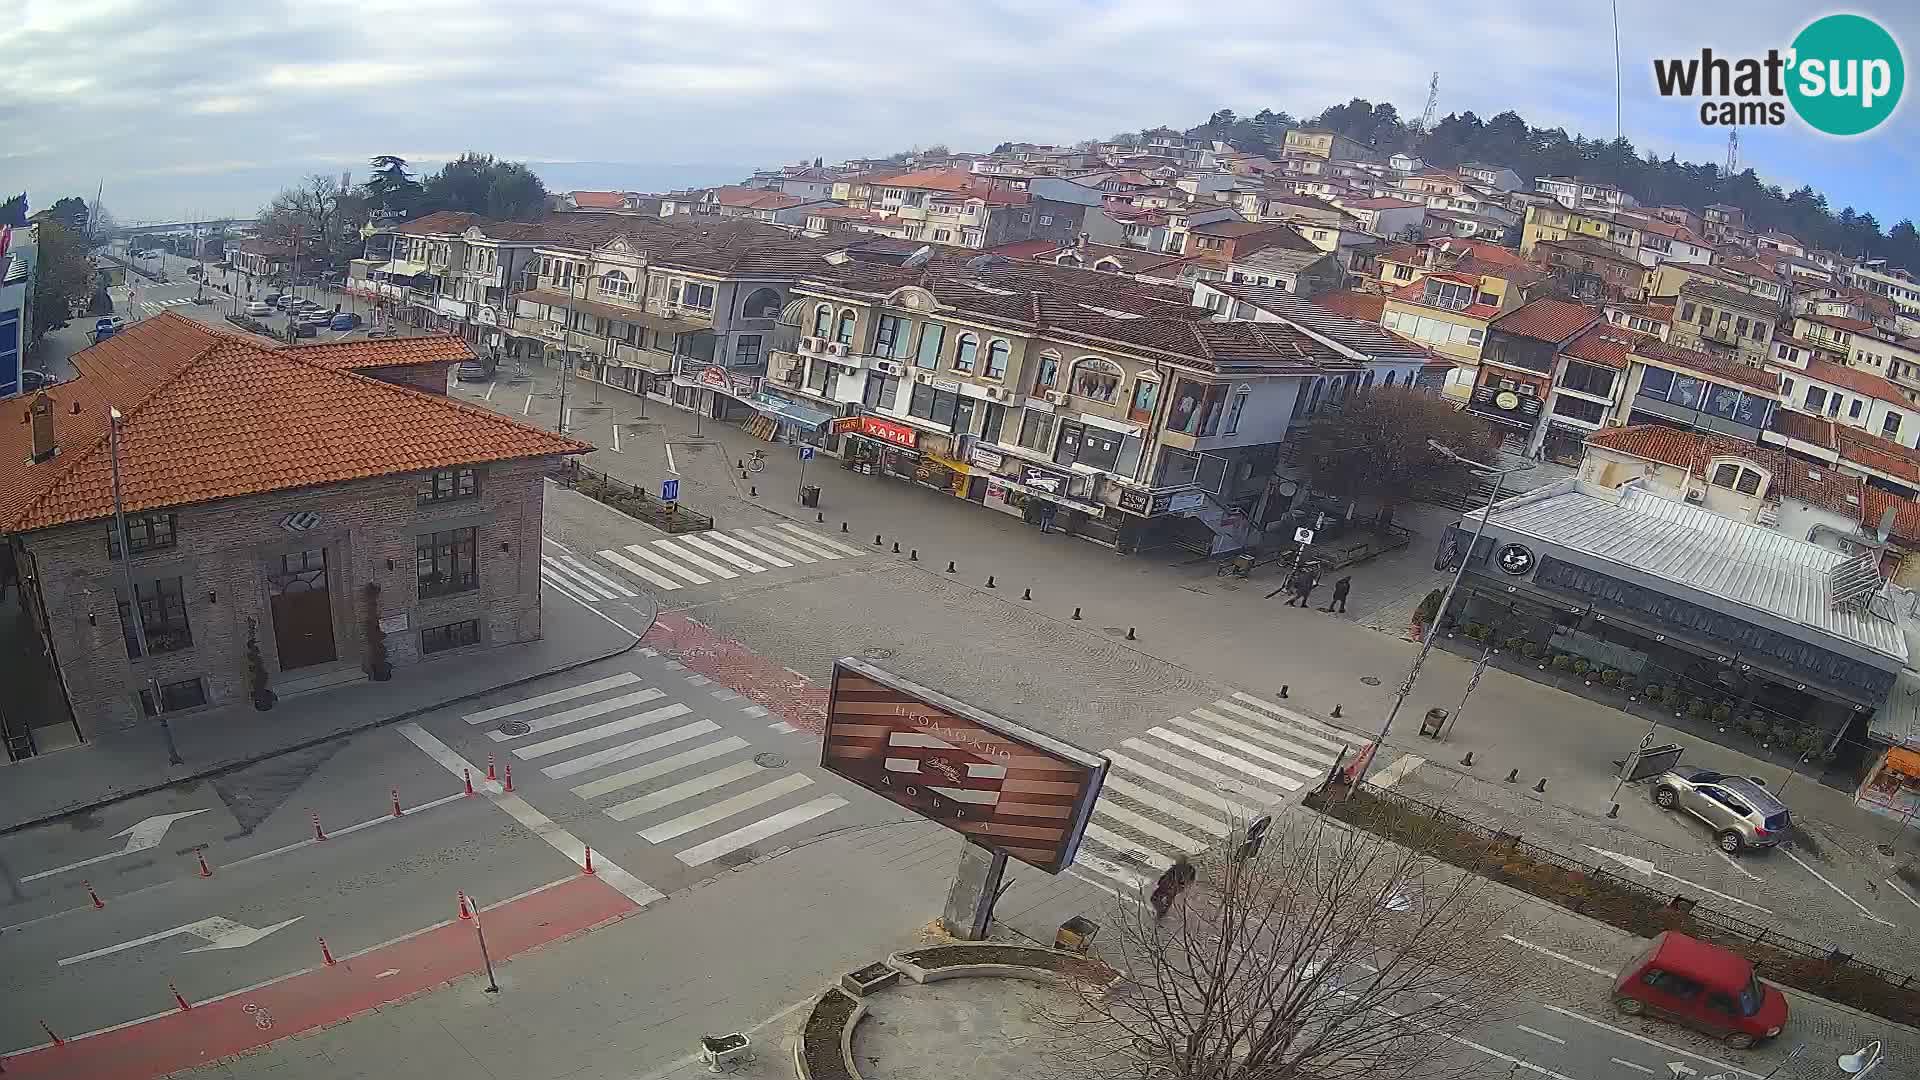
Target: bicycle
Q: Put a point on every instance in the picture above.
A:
(758, 461)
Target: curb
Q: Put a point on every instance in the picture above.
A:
(224, 767)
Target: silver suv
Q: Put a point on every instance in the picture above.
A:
(1741, 811)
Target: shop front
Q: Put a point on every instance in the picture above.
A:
(875, 445)
(795, 422)
(1054, 500)
(1892, 786)
(715, 392)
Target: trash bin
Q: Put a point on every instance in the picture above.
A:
(810, 496)
(1076, 934)
(1431, 723)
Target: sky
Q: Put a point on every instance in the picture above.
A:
(207, 107)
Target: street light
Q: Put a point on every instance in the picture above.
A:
(114, 419)
(1864, 1060)
(1433, 628)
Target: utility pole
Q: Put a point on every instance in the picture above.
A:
(1433, 628)
(134, 614)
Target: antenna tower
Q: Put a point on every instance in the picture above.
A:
(1433, 103)
(1733, 151)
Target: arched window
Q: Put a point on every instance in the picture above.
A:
(1390, 376)
(997, 359)
(965, 351)
(1047, 374)
(844, 335)
(822, 321)
(1095, 379)
(615, 283)
(1367, 383)
(1146, 395)
(1313, 402)
(761, 304)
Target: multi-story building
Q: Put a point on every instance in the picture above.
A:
(1326, 145)
(1106, 408)
(300, 554)
(1586, 390)
(1519, 364)
(1550, 221)
(19, 254)
(1724, 223)
(1493, 176)
(1399, 219)
(1850, 396)
(1219, 244)
(1892, 282)
(1449, 303)
(1688, 389)
(1579, 193)
(1300, 270)
(1724, 321)
(1663, 241)
(1592, 269)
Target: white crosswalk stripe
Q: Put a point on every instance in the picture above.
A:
(629, 751)
(684, 553)
(674, 563)
(815, 539)
(774, 545)
(695, 540)
(566, 578)
(639, 571)
(559, 584)
(667, 564)
(723, 538)
(606, 583)
(1198, 779)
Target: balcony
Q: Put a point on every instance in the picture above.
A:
(683, 319)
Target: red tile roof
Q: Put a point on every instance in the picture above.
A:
(1906, 514)
(1655, 442)
(1725, 370)
(1548, 320)
(1805, 427)
(1353, 304)
(599, 200)
(383, 352)
(1851, 326)
(440, 222)
(1795, 478)
(1865, 383)
(210, 415)
(1605, 345)
(1873, 452)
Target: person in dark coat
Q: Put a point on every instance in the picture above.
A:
(1296, 587)
(1340, 590)
(1307, 586)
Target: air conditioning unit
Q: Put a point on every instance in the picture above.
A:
(839, 348)
(1057, 397)
(1695, 495)
(890, 367)
(808, 344)
(996, 393)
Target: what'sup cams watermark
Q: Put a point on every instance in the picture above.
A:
(1843, 75)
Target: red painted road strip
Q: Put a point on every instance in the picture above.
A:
(785, 693)
(326, 995)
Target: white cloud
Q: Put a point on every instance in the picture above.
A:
(159, 88)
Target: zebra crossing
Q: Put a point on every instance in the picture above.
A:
(154, 307)
(647, 762)
(1190, 782)
(692, 559)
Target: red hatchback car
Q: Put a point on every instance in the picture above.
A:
(1704, 987)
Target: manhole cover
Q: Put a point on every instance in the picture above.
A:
(515, 727)
(1370, 680)
(770, 761)
(878, 654)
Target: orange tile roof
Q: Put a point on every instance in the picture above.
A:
(599, 200)
(1804, 427)
(1865, 383)
(1906, 514)
(1546, 320)
(383, 352)
(1873, 452)
(1851, 326)
(1654, 442)
(210, 415)
(1352, 303)
(1605, 345)
(1693, 360)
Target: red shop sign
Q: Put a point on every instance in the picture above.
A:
(715, 376)
(897, 434)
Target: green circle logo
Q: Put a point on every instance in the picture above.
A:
(1847, 75)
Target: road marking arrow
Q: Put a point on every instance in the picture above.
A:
(1645, 868)
(143, 835)
(1681, 1068)
(219, 932)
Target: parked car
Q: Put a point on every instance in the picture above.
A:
(1740, 809)
(259, 307)
(472, 371)
(107, 326)
(1701, 986)
(319, 320)
(300, 329)
(284, 300)
(345, 320)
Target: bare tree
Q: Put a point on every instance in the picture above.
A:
(1327, 953)
(318, 211)
(1373, 444)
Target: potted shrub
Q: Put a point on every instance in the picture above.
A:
(1631, 687)
(1580, 667)
(1609, 677)
(1722, 713)
(1515, 643)
(1562, 662)
(1424, 614)
(263, 695)
(1697, 709)
(379, 669)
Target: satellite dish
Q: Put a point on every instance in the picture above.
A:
(979, 262)
(919, 258)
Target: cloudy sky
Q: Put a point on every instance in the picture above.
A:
(208, 106)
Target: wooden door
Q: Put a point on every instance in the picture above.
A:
(302, 610)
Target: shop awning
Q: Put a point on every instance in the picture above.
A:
(401, 268)
(792, 412)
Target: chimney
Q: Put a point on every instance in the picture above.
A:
(40, 415)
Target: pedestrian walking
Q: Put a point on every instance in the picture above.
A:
(1306, 590)
(1340, 590)
(1296, 582)
(1173, 881)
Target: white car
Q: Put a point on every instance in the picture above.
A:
(259, 307)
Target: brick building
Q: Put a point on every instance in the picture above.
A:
(279, 487)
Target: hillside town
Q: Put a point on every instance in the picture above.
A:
(1619, 468)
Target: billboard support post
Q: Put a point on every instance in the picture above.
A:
(976, 885)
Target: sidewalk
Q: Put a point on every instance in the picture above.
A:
(133, 763)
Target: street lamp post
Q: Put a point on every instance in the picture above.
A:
(1433, 628)
(126, 582)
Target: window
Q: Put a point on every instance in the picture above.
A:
(1235, 409)
(1706, 315)
(446, 562)
(1786, 388)
(932, 336)
(746, 351)
(449, 485)
(942, 236)
(145, 532)
(1591, 412)
(1046, 219)
(163, 615)
(1656, 382)
(822, 320)
(996, 416)
(937, 406)
(1740, 328)
(1095, 379)
(1448, 294)
(1749, 482)
(889, 335)
(1049, 372)
(761, 304)
(1587, 379)
(1726, 475)
(1853, 410)
(615, 283)
(964, 352)
(1890, 427)
(997, 360)
(1402, 273)
(1781, 351)
(1816, 398)
(451, 636)
(695, 295)
(844, 335)
(1146, 394)
(175, 696)
(1036, 431)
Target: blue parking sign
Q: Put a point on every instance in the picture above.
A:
(806, 452)
(669, 490)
